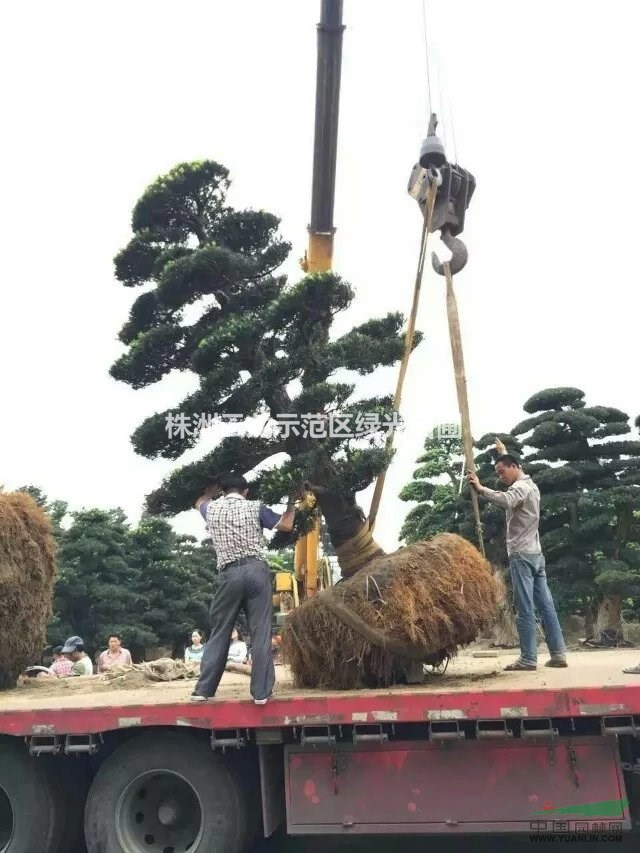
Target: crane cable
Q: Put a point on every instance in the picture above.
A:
(408, 340)
(454, 336)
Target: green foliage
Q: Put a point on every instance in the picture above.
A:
(590, 487)
(146, 583)
(260, 346)
(589, 479)
(281, 561)
(554, 398)
(435, 487)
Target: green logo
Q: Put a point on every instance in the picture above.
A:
(604, 808)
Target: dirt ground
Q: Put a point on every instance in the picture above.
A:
(586, 668)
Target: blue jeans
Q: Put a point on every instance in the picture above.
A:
(531, 593)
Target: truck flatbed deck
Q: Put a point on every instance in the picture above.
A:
(471, 689)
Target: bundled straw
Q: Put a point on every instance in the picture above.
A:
(421, 603)
(27, 574)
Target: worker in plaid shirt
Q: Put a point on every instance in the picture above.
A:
(236, 526)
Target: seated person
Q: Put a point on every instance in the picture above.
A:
(238, 649)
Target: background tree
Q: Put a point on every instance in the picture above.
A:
(175, 579)
(147, 583)
(97, 586)
(56, 510)
(281, 561)
(259, 346)
(589, 477)
(436, 487)
(444, 505)
(444, 502)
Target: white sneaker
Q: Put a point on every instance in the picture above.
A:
(261, 701)
(195, 697)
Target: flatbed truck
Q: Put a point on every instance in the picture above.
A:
(475, 750)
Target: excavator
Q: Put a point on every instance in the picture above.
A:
(442, 190)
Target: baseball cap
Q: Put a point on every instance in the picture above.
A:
(72, 645)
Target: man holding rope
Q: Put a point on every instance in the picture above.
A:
(521, 501)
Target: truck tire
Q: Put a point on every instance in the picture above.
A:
(69, 779)
(165, 793)
(30, 819)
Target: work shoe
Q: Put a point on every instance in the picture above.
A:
(558, 662)
(521, 666)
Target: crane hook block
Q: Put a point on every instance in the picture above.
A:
(455, 188)
(432, 153)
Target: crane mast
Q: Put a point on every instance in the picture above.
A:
(319, 254)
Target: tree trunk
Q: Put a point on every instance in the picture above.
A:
(345, 522)
(608, 627)
(589, 622)
(505, 632)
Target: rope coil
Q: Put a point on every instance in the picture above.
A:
(357, 551)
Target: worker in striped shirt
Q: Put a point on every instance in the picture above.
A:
(236, 526)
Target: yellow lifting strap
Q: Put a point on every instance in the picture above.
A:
(455, 338)
(357, 550)
(458, 366)
(408, 342)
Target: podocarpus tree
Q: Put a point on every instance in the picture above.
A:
(588, 473)
(214, 306)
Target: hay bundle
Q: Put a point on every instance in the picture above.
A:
(27, 574)
(420, 603)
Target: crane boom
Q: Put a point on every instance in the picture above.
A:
(321, 227)
(319, 255)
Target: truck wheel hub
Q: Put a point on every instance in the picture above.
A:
(159, 812)
(169, 813)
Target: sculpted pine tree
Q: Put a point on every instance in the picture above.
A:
(214, 306)
(588, 473)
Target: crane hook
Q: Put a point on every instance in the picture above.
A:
(459, 253)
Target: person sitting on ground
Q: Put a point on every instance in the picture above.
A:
(114, 654)
(61, 666)
(81, 662)
(238, 649)
(194, 652)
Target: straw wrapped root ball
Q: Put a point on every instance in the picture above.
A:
(420, 603)
(27, 575)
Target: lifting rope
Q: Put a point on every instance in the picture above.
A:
(408, 340)
(455, 338)
(458, 261)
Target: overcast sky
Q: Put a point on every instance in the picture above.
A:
(99, 99)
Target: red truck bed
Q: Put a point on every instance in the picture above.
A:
(472, 689)
(477, 750)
